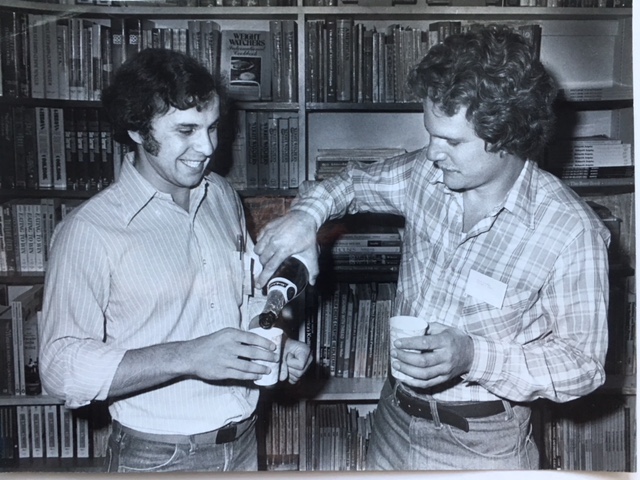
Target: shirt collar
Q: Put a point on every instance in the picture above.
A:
(137, 192)
(520, 199)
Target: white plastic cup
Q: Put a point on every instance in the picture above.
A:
(275, 335)
(403, 326)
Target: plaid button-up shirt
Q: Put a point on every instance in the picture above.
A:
(528, 283)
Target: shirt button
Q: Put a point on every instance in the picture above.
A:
(212, 305)
(204, 261)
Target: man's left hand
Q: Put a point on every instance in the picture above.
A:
(445, 353)
(296, 358)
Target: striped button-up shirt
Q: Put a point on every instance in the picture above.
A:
(528, 283)
(129, 268)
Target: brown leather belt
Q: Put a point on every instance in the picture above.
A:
(226, 434)
(452, 414)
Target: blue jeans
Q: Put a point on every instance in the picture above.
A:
(127, 453)
(400, 441)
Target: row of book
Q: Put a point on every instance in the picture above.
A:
(594, 433)
(279, 426)
(57, 148)
(622, 352)
(350, 332)
(51, 431)
(266, 151)
(350, 62)
(590, 157)
(43, 56)
(19, 330)
(333, 3)
(331, 161)
(337, 437)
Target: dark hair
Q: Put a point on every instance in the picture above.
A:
(150, 83)
(493, 72)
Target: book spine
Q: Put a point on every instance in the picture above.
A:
(82, 436)
(66, 432)
(296, 170)
(94, 156)
(52, 433)
(70, 148)
(24, 56)
(24, 428)
(37, 431)
(50, 47)
(277, 60)
(63, 50)
(331, 94)
(43, 142)
(289, 62)
(58, 170)
(36, 55)
(344, 39)
(75, 59)
(9, 237)
(7, 159)
(7, 357)
(253, 149)
(237, 174)
(107, 172)
(283, 155)
(82, 148)
(20, 236)
(263, 135)
(274, 152)
(9, 53)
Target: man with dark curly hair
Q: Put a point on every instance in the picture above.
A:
(506, 263)
(147, 292)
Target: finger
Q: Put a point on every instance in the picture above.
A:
(421, 342)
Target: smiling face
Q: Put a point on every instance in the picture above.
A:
(173, 157)
(455, 148)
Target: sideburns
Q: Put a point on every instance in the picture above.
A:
(150, 144)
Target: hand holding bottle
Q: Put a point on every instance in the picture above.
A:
(294, 233)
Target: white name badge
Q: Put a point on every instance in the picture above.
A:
(485, 288)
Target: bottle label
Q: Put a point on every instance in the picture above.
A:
(286, 287)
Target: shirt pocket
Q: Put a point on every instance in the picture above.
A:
(482, 318)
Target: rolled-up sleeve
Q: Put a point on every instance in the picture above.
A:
(76, 363)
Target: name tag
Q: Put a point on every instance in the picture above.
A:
(485, 288)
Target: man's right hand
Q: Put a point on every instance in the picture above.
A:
(229, 354)
(294, 233)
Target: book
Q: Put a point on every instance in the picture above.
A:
(8, 158)
(253, 148)
(43, 142)
(210, 33)
(51, 431)
(67, 439)
(7, 355)
(277, 60)
(37, 431)
(283, 152)
(81, 427)
(274, 151)
(36, 55)
(24, 431)
(70, 148)
(289, 62)
(344, 59)
(237, 172)
(30, 148)
(94, 157)
(106, 169)
(57, 139)
(245, 64)
(297, 172)
(8, 228)
(264, 167)
(10, 52)
(62, 55)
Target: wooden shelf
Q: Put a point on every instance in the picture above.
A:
(343, 389)
(29, 400)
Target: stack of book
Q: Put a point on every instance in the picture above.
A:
(52, 431)
(57, 148)
(266, 151)
(26, 227)
(592, 157)
(350, 331)
(282, 436)
(338, 437)
(331, 161)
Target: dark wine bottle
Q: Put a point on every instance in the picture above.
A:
(288, 281)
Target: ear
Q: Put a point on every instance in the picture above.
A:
(135, 136)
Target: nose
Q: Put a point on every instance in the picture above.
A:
(434, 151)
(205, 142)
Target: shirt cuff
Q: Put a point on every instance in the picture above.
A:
(488, 360)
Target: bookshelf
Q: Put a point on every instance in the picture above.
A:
(587, 49)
